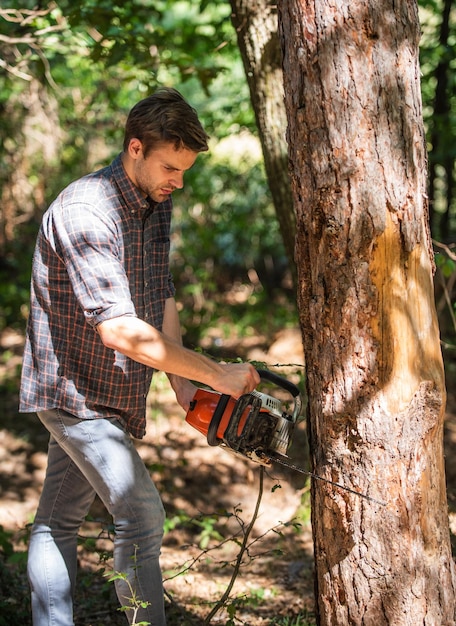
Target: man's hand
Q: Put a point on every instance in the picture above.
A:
(184, 390)
(237, 379)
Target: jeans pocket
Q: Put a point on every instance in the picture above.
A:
(56, 422)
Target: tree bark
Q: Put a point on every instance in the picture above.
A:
(365, 297)
(256, 28)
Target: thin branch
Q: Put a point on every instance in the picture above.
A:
(26, 39)
(448, 300)
(243, 549)
(448, 250)
(188, 565)
(447, 286)
(47, 67)
(23, 16)
(14, 71)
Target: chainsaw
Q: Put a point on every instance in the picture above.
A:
(255, 426)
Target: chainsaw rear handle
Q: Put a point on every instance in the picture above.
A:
(288, 386)
(280, 382)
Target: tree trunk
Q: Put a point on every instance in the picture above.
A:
(256, 27)
(365, 296)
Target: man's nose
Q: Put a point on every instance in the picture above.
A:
(178, 180)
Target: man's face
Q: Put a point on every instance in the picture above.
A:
(161, 172)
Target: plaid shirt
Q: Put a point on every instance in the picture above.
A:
(102, 252)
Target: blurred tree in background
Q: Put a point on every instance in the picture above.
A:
(69, 73)
(438, 64)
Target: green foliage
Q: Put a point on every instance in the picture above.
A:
(304, 511)
(234, 218)
(208, 531)
(94, 60)
(445, 281)
(183, 38)
(13, 608)
(446, 264)
(134, 602)
(6, 545)
(438, 88)
(14, 285)
(204, 527)
(226, 238)
(254, 598)
(305, 618)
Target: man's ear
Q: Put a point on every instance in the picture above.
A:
(134, 148)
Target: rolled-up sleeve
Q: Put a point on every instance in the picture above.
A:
(92, 250)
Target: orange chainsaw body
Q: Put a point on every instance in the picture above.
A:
(254, 425)
(203, 407)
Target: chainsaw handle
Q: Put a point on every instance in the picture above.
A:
(284, 384)
(280, 382)
(212, 438)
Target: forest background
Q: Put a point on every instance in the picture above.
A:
(69, 73)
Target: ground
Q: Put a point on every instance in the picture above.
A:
(210, 497)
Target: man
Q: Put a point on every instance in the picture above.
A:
(102, 319)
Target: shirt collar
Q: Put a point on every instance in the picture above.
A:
(137, 204)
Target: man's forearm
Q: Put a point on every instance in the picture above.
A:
(172, 328)
(171, 324)
(144, 343)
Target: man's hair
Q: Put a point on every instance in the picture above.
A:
(165, 117)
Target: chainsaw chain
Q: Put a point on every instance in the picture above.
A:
(281, 461)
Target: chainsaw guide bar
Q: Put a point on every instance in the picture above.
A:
(296, 468)
(255, 426)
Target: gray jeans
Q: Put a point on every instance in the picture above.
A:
(87, 457)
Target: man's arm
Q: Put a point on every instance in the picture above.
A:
(144, 343)
(183, 388)
(171, 324)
